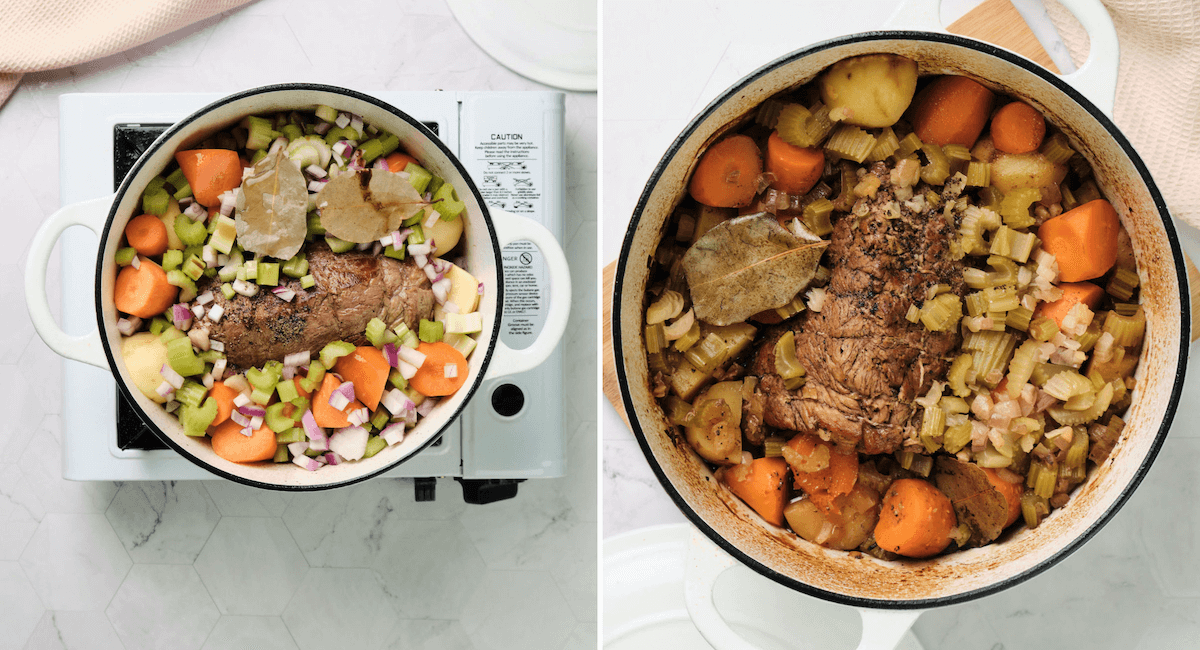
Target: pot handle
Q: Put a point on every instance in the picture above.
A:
(1096, 78)
(511, 228)
(881, 629)
(86, 348)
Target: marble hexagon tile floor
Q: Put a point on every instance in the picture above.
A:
(211, 564)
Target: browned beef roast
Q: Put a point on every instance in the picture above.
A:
(865, 362)
(351, 289)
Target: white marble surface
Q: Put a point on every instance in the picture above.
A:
(1133, 586)
(215, 565)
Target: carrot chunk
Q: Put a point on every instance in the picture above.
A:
(229, 443)
(1011, 491)
(796, 169)
(324, 414)
(368, 369)
(951, 110)
(1073, 294)
(916, 519)
(147, 234)
(431, 379)
(144, 291)
(398, 160)
(760, 483)
(210, 173)
(224, 396)
(822, 486)
(1018, 128)
(727, 173)
(1083, 240)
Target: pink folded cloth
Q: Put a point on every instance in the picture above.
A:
(40, 35)
(1158, 89)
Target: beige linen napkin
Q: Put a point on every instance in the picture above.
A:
(1158, 89)
(40, 35)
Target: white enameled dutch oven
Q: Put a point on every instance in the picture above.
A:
(891, 594)
(487, 231)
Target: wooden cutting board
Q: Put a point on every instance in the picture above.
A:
(994, 21)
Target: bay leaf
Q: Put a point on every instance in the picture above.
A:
(746, 265)
(272, 208)
(366, 205)
(976, 503)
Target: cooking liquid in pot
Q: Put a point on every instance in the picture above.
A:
(897, 314)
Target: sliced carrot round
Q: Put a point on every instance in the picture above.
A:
(916, 519)
(229, 443)
(1018, 128)
(144, 291)
(431, 379)
(951, 110)
(398, 160)
(369, 370)
(796, 169)
(147, 234)
(727, 174)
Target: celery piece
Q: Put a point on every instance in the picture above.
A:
(380, 418)
(885, 145)
(316, 372)
(260, 133)
(251, 267)
(170, 333)
(292, 132)
(211, 356)
(228, 273)
(816, 217)
(390, 143)
(1057, 149)
(227, 291)
(395, 253)
(268, 273)
(469, 323)
(191, 393)
(909, 145)
(333, 351)
(224, 234)
(446, 202)
(259, 396)
(435, 184)
(172, 259)
(375, 444)
(312, 453)
(191, 233)
(158, 325)
(193, 267)
(418, 234)
(263, 379)
(430, 331)
(407, 337)
(938, 169)
(787, 365)
(124, 256)
(314, 225)
(275, 419)
(176, 179)
(308, 282)
(851, 142)
(286, 389)
(281, 453)
(326, 113)
(415, 219)
(397, 380)
(196, 419)
(296, 267)
(182, 359)
(187, 287)
(156, 201)
(210, 272)
(793, 123)
(338, 133)
(371, 149)
(257, 156)
(460, 342)
(183, 192)
(418, 177)
(337, 245)
(375, 330)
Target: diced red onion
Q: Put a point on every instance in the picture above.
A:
(450, 307)
(393, 433)
(198, 311)
(252, 410)
(356, 123)
(410, 355)
(171, 406)
(355, 161)
(387, 239)
(288, 372)
(215, 313)
(216, 345)
(450, 370)
(419, 249)
(399, 236)
(165, 389)
(241, 399)
(424, 408)
(277, 145)
(208, 380)
(359, 417)
(322, 128)
(391, 354)
(350, 442)
(432, 219)
(431, 273)
(396, 402)
(127, 326)
(310, 464)
(316, 171)
(338, 163)
(362, 247)
(228, 203)
(339, 148)
(338, 401)
(480, 289)
(222, 259)
(199, 336)
(244, 288)
(407, 370)
(239, 418)
(316, 435)
(136, 262)
(298, 448)
(209, 255)
(410, 417)
(331, 458)
(420, 260)
(256, 423)
(439, 291)
(381, 164)
(342, 120)
(316, 186)
(218, 370)
(247, 431)
(204, 298)
(297, 358)
(172, 377)
(284, 293)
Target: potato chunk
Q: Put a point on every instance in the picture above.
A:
(715, 432)
(870, 91)
(1032, 170)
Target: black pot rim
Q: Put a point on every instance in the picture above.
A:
(1061, 554)
(261, 90)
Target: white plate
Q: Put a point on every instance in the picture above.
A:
(644, 607)
(551, 41)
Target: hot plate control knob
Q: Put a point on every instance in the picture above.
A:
(508, 400)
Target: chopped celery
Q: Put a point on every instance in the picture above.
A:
(446, 202)
(260, 132)
(155, 201)
(187, 287)
(337, 245)
(265, 378)
(193, 267)
(228, 273)
(191, 393)
(816, 217)
(211, 356)
(938, 169)
(326, 113)
(182, 359)
(191, 233)
(942, 314)
(251, 267)
(170, 333)
(431, 331)
(296, 267)
(787, 366)
(407, 337)
(435, 184)
(286, 389)
(124, 256)
(333, 351)
(275, 419)
(308, 282)
(375, 331)
(460, 342)
(316, 372)
(851, 142)
(224, 234)
(260, 396)
(227, 291)
(690, 338)
(196, 419)
(292, 132)
(395, 253)
(315, 229)
(172, 259)
(294, 434)
(1127, 331)
(177, 180)
(268, 273)
(415, 219)
(158, 325)
(885, 145)
(371, 149)
(375, 444)
(418, 177)
(1019, 318)
(933, 426)
(656, 338)
(397, 380)
(281, 453)
(1057, 149)
(418, 234)
(257, 156)
(979, 174)
(390, 143)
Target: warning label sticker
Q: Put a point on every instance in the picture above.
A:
(525, 285)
